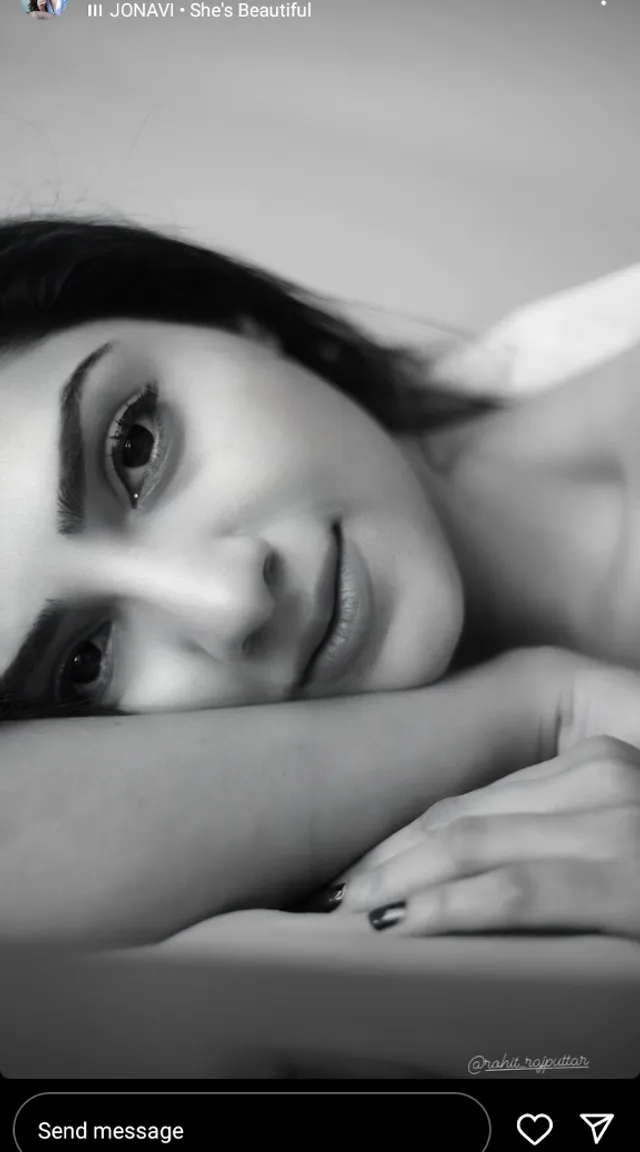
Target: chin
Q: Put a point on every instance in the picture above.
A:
(425, 667)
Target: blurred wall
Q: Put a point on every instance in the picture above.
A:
(447, 157)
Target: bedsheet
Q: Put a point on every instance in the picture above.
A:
(273, 995)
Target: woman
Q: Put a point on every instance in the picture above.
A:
(42, 9)
(200, 517)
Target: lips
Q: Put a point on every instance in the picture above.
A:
(348, 624)
(328, 602)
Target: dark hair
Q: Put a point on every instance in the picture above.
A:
(59, 273)
(55, 274)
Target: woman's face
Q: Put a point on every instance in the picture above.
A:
(189, 520)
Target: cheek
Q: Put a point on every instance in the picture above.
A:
(430, 618)
(417, 579)
(293, 435)
(252, 465)
(161, 677)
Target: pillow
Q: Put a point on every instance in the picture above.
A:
(536, 347)
(545, 344)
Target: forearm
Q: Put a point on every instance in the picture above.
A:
(126, 830)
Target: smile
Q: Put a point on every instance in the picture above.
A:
(350, 619)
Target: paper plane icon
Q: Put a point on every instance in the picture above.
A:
(598, 1123)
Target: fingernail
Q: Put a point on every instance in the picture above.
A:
(332, 898)
(386, 917)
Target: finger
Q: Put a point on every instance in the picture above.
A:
(402, 841)
(451, 807)
(599, 773)
(329, 898)
(565, 895)
(476, 844)
(502, 795)
(448, 809)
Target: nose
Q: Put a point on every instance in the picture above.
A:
(220, 595)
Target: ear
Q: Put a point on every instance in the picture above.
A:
(255, 332)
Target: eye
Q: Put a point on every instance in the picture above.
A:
(134, 443)
(86, 672)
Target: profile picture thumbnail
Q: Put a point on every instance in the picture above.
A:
(44, 9)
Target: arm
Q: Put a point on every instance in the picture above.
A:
(125, 830)
(552, 846)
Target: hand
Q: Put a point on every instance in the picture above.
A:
(555, 846)
(602, 701)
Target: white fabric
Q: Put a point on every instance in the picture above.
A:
(544, 344)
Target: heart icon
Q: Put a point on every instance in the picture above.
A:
(534, 1122)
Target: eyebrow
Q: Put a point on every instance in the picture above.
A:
(70, 518)
(40, 636)
(72, 481)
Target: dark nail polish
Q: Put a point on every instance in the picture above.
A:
(332, 898)
(327, 900)
(386, 917)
